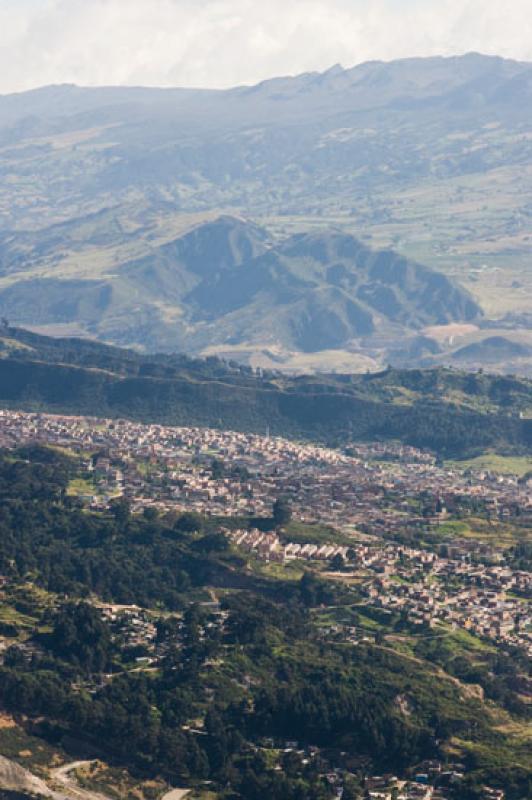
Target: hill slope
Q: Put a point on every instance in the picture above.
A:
(251, 663)
(453, 413)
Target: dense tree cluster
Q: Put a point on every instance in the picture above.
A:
(520, 556)
(117, 556)
(81, 637)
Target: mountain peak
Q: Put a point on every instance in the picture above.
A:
(336, 69)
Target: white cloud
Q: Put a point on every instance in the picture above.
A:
(226, 42)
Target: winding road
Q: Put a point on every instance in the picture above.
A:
(69, 785)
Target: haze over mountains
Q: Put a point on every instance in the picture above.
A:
(353, 179)
(208, 147)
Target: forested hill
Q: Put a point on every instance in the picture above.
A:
(452, 412)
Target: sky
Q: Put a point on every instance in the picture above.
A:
(220, 43)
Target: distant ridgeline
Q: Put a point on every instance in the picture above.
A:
(451, 412)
(339, 211)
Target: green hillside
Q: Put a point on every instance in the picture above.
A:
(457, 414)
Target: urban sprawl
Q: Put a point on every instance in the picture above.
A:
(376, 493)
(387, 507)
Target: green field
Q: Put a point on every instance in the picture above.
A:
(80, 486)
(495, 533)
(303, 533)
(505, 465)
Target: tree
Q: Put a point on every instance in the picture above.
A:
(119, 508)
(352, 789)
(189, 522)
(82, 637)
(337, 563)
(217, 469)
(217, 744)
(282, 513)
(211, 543)
(14, 657)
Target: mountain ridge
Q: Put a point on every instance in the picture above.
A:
(121, 131)
(358, 71)
(452, 413)
(308, 292)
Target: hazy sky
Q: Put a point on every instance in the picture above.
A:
(227, 42)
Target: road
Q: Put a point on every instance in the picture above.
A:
(69, 784)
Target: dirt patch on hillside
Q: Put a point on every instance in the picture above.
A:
(455, 330)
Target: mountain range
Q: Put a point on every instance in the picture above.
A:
(263, 146)
(280, 220)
